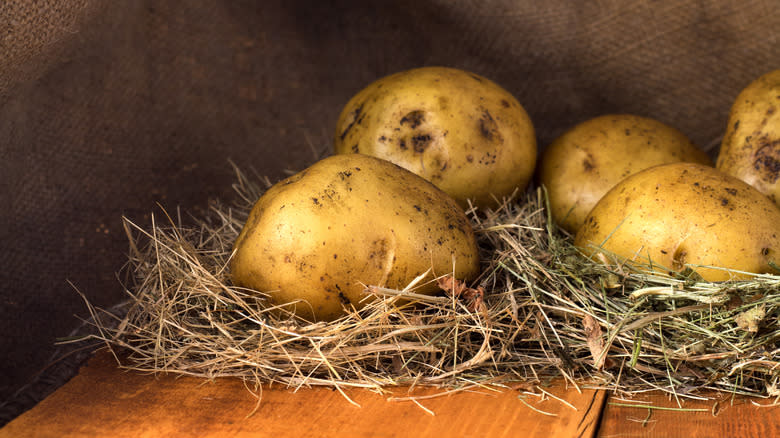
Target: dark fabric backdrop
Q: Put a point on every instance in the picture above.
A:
(107, 108)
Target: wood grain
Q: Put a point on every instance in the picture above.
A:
(104, 400)
(721, 417)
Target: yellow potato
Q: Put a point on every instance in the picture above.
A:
(682, 215)
(345, 222)
(464, 133)
(751, 146)
(581, 165)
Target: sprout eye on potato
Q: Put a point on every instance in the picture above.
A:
(751, 146)
(581, 165)
(463, 132)
(682, 215)
(348, 221)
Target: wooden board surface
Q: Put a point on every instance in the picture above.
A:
(722, 417)
(104, 400)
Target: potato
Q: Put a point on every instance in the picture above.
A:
(682, 215)
(581, 165)
(348, 221)
(751, 146)
(464, 133)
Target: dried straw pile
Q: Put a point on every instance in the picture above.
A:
(547, 312)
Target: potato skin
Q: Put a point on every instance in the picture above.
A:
(751, 146)
(345, 222)
(683, 213)
(461, 131)
(581, 165)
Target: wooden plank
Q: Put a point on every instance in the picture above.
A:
(723, 417)
(104, 400)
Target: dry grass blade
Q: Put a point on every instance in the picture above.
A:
(538, 311)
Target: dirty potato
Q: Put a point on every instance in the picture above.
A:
(685, 215)
(751, 146)
(318, 237)
(581, 165)
(461, 131)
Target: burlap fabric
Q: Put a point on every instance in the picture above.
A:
(107, 108)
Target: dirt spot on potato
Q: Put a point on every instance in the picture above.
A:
(378, 251)
(488, 127)
(766, 159)
(413, 138)
(354, 117)
(421, 142)
(343, 298)
(587, 163)
(725, 203)
(422, 210)
(678, 259)
(592, 225)
(488, 159)
(413, 119)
